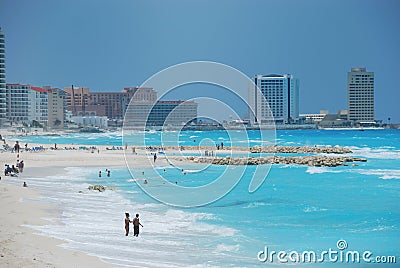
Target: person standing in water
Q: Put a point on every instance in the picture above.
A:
(136, 224)
(127, 221)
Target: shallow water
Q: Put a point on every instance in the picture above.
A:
(297, 208)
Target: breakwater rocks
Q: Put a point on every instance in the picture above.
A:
(317, 161)
(300, 150)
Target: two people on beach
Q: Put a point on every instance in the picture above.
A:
(136, 224)
(20, 166)
(14, 170)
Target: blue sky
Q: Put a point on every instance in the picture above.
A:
(107, 45)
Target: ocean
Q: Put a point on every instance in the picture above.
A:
(296, 209)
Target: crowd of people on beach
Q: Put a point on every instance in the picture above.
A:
(14, 170)
(18, 168)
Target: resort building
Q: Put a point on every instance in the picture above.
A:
(161, 113)
(314, 118)
(90, 121)
(39, 105)
(80, 101)
(26, 104)
(360, 92)
(338, 120)
(19, 103)
(281, 98)
(56, 108)
(3, 103)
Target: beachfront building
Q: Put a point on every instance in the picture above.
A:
(338, 120)
(19, 103)
(3, 102)
(56, 108)
(360, 92)
(29, 104)
(26, 103)
(80, 101)
(314, 118)
(172, 113)
(281, 98)
(39, 105)
(161, 113)
(90, 121)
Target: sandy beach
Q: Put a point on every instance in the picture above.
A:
(21, 246)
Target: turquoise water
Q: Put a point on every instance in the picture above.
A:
(297, 208)
(367, 138)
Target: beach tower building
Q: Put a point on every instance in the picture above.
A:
(19, 100)
(26, 103)
(282, 94)
(360, 96)
(3, 103)
(55, 107)
(82, 102)
(142, 114)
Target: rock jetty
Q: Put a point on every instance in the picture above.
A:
(300, 150)
(317, 161)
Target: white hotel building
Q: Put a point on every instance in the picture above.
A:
(26, 103)
(281, 95)
(360, 92)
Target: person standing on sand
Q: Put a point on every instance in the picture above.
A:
(127, 221)
(20, 166)
(155, 157)
(16, 147)
(136, 224)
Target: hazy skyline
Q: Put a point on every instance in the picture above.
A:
(109, 45)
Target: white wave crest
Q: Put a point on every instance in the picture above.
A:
(228, 248)
(383, 173)
(378, 153)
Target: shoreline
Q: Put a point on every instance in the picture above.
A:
(24, 208)
(23, 246)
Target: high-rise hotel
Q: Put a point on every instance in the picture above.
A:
(2, 79)
(360, 92)
(280, 102)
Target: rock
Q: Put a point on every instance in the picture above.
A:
(318, 161)
(99, 188)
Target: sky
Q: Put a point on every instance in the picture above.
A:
(109, 45)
